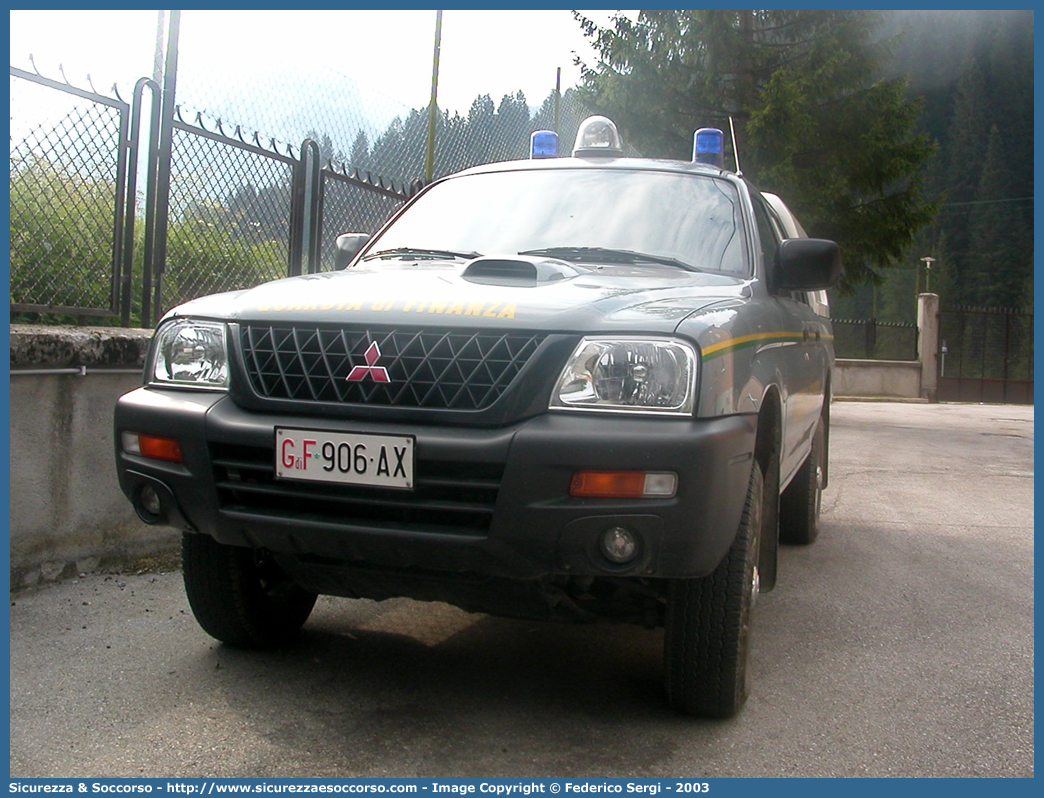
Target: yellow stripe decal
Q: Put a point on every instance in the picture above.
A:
(715, 350)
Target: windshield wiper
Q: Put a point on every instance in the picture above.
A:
(431, 254)
(594, 254)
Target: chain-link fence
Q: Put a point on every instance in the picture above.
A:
(66, 200)
(228, 224)
(366, 130)
(349, 206)
(242, 207)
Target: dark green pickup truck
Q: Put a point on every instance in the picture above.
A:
(581, 388)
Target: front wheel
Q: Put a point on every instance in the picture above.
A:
(708, 624)
(240, 596)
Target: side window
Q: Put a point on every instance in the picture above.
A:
(770, 233)
(767, 235)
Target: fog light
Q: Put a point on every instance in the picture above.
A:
(150, 500)
(619, 544)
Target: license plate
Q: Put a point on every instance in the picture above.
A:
(382, 461)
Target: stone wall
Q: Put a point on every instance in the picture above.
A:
(889, 379)
(68, 514)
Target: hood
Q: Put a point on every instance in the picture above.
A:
(513, 292)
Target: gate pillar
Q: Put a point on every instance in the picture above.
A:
(928, 343)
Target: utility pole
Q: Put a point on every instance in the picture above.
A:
(558, 99)
(429, 163)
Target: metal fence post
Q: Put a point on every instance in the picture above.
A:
(314, 195)
(124, 208)
(127, 286)
(306, 207)
(161, 197)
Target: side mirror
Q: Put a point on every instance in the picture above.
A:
(347, 246)
(807, 264)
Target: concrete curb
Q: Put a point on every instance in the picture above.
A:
(901, 399)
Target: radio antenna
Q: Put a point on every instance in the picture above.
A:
(735, 152)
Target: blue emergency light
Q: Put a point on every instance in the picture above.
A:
(543, 144)
(709, 147)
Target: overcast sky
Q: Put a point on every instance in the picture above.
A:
(494, 52)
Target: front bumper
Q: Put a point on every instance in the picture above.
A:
(488, 501)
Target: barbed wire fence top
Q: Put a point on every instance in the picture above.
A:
(229, 221)
(364, 129)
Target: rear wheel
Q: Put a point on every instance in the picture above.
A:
(240, 596)
(708, 624)
(800, 504)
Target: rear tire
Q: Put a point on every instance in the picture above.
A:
(707, 630)
(240, 596)
(800, 504)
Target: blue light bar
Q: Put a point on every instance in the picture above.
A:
(709, 147)
(543, 144)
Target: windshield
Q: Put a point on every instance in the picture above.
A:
(693, 219)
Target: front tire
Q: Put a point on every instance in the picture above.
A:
(707, 630)
(240, 596)
(800, 504)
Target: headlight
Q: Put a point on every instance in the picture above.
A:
(629, 375)
(190, 353)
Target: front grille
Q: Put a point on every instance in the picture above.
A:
(448, 497)
(410, 367)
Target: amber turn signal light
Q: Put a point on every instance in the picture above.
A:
(155, 447)
(623, 484)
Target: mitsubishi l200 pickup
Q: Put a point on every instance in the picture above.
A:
(566, 388)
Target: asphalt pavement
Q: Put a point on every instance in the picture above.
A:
(899, 644)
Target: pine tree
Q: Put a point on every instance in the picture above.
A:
(512, 128)
(813, 121)
(997, 235)
(478, 138)
(967, 135)
(976, 70)
(360, 155)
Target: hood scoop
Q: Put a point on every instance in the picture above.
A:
(522, 271)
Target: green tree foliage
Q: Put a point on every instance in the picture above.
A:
(996, 266)
(814, 122)
(204, 257)
(256, 214)
(987, 181)
(360, 153)
(964, 148)
(489, 132)
(62, 224)
(975, 71)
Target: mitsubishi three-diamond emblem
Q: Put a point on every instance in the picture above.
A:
(376, 373)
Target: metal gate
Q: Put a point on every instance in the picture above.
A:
(69, 182)
(985, 355)
(216, 209)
